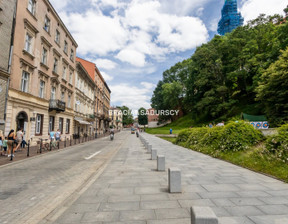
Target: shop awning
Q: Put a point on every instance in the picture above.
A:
(82, 122)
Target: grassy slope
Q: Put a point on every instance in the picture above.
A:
(177, 126)
(252, 159)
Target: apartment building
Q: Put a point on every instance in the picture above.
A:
(116, 117)
(7, 16)
(42, 81)
(106, 106)
(102, 97)
(84, 117)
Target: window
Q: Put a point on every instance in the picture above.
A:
(53, 93)
(55, 66)
(42, 89)
(67, 126)
(28, 43)
(64, 73)
(72, 55)
(51, 123)
(57, 37)
(47, 24)
(78, 83)
(44, 56)
(32, 6)
(61, 124)
(39, 124)
(62, 96)
(69, 101)
(65, 47)
(25, 82)
(70, 77)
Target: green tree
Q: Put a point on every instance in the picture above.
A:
(273, 90)
(127, 115)
(142, 116)
(222, 77)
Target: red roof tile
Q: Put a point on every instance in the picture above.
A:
(89, 66)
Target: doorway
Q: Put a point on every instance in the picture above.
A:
(21, 120)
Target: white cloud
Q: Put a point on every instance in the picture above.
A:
(132, 56)
(96, 33)
(251, 9)
(200, 11)
(134, 31)
(214, 25)
(133, 97)
(182, 7)
(148, 85)
(105, 63)
(106, 76)
(59, 5)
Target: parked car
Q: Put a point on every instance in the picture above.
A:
(132, 130)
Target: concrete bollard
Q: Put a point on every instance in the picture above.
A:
(149, 148)
(203, 215)
(174, 180)
(153, 154)
(161, 163)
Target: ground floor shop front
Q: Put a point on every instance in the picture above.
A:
(32, 114)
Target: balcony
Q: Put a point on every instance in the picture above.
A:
(57, 105)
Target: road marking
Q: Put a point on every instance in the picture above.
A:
(96, 153)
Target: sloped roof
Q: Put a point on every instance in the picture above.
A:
(89, 67)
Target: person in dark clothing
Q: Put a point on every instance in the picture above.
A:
(11, 139)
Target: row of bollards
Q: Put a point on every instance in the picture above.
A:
(174, 174)
(199, 215)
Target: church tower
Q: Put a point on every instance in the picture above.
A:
(230, 19)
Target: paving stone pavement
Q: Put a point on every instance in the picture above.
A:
(130, 190)
(32, 188)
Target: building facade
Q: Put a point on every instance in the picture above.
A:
(153, 118)
(84, 102)
(230, 18)
(102, 97)
(7, 22)
(106, 106)
(116, 118)
(42, 84)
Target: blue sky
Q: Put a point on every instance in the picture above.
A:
(133, 42)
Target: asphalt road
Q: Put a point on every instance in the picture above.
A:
(35, 188)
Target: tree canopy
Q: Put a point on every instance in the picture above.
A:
(232, 74)
(142, 116)
(127, 115)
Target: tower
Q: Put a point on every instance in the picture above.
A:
(230, 19)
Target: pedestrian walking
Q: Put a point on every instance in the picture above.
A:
(1, 142)
(10, 143)
(5, 146)
(171, 131)
(19, 138)
(23, 143)
(58, 135)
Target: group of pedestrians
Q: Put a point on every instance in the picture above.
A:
(55, 135)
(12, 142)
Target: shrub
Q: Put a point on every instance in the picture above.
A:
(237, 136)
(195, 137)
(278, 144)
(183, 136)
(212, 137)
